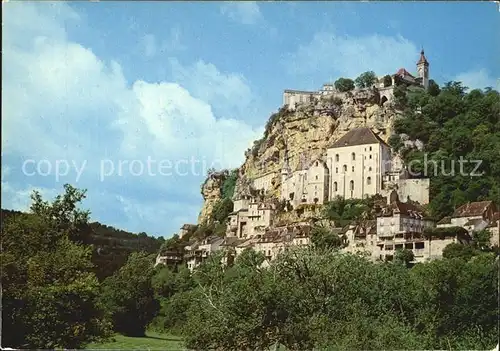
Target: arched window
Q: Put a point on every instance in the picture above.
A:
(337, 158)
(345, 168)
(353, 156)
(368, 180)
(351, 183)
(335, 187)
(316, 164)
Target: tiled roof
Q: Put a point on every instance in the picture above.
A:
(403, 72)
(472, 209)
(405, 209)
(358, 136)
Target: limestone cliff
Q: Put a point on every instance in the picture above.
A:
(211, 190)
(306, 133)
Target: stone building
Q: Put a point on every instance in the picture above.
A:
(402, 226)
(198, 251)
(469, 214)
(357, 163)
(250, 218)
(307, 184)
(294, 98)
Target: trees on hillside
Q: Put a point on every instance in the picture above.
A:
(309, 298)
(49, 290)
(453, 125)
(128, 296)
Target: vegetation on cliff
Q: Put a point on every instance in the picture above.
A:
(453, 126)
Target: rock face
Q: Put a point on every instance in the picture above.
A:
(211, 190)
(305, 133)
(309, 130)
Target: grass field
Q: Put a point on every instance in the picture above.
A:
(152, 341)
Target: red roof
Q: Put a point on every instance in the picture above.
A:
(422, 58)
(403, 72)
(472, 209)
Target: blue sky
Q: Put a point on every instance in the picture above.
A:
(101, 88)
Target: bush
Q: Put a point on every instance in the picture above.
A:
(344, 84)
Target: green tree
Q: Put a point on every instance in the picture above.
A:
(366, 80)
(128, 295)
(49, 290)
(344, 84)
(404, 256)
(325, 238)
(433, 88)
(387, 81)
(456, 250)
(221, 210)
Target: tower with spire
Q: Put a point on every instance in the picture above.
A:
(423, 70)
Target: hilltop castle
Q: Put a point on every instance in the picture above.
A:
(293, 98)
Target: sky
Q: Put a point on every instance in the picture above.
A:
(135, 101)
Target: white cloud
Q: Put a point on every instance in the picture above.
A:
(228, 93)
(244, 12)
(347, 56)
(478, 79)
(62, 102)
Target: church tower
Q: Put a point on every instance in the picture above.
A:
(423, 69)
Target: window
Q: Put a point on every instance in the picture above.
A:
(335, 186)
(316, 164)
(316, 177)
(336, 170)
(369, 169)
(345, 168)
(337, 157)
(368, 180)
(353, 168)
(370, 148)
(370, 157)
(351, 185)
(353, 155)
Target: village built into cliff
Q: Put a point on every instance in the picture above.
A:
(322, 146)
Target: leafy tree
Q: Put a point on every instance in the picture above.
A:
(128, 295)
(404, 256)
(482, 239)
(229, 184)
(366, 80)
(221, 210)
(387, 81)
(456, 250)
(433, 88)
(325, 238)
(344, 84)
(395, 142)
(49, 290)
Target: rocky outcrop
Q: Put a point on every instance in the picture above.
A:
(211, 190)
(306, 133)
(311, 128)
